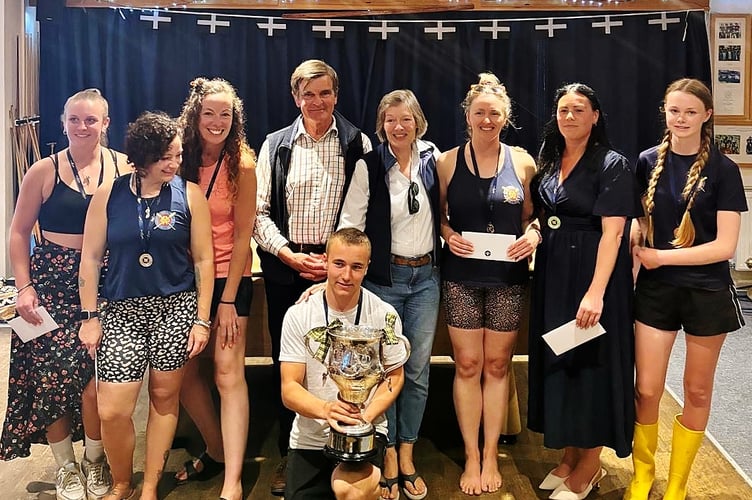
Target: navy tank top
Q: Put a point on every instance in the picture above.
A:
(65, 210)
(468, 211)
(169, 238)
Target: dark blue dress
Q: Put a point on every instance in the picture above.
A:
(585, 397)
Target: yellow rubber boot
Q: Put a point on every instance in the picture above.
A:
(643, 461)
(684, 446)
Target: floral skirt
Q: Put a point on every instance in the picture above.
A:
(47, 375)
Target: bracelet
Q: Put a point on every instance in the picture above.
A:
(201, 322)
(537, 231)
(227, 302)
(27, 285)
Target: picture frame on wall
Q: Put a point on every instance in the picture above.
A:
(731, 65)
(735, 141)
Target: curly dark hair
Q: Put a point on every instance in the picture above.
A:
(553, 142)
(235, 145)
(148, 138)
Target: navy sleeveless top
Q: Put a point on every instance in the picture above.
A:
(65, 210)
(470, 212)
(169, 242)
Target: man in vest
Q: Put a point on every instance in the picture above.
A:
(303, 173)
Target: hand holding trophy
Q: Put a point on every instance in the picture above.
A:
(353, 357)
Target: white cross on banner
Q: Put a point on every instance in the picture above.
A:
(440, 29)
(213, 23)
(495, 29)
(384, 29)
(550, 27)
(270, 26)
(328, 28)
(607, 24)
(664, 21)
(155, 19)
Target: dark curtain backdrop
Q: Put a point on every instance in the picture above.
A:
(139, 68)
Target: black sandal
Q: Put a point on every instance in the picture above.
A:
(388, 483)
(211, 468)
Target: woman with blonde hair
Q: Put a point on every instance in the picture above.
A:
(693, 197)
(394, 198)
(51, 395)
(217, 157)
(484, 188)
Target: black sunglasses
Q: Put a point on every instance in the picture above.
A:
(412, 199)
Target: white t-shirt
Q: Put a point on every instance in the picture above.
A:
(313, 434)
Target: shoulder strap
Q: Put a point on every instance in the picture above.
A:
(114, 162)
(56, 163)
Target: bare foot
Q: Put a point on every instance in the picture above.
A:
(490, 478)
(470, 478)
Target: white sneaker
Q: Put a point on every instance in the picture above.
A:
(98, 478)
(69, 484)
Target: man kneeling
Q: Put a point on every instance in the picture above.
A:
(307, 391)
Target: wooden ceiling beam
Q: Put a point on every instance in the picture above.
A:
(386, 7)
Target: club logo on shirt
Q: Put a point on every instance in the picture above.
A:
(511, 194)
(164, 220)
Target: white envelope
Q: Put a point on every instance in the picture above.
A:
(489, 246)
(26, 331)
(568, 336)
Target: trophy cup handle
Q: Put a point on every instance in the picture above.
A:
(308, 347)
(406, 343)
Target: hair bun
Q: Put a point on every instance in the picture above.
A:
(488, 78)
(197, 83)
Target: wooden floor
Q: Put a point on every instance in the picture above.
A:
(438, 453)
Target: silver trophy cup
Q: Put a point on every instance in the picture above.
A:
(354, 364)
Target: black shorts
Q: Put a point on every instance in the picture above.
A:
(309, 472)
(242, 299)
(699, 312)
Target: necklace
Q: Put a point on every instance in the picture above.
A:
(491, 194)
(145, 222)
(80, 183)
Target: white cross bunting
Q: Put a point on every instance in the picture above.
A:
(383, 29)
(440, 29)
(607, 24)
(155, 19)
(495, 29)
(664, 21)
(212, 22)
(550, 27)
(328, 28)
(270, 26)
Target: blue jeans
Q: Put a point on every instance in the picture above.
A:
(415, 295)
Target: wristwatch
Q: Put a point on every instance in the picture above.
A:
(86, 315)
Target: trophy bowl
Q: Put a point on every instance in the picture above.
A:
(354, 364)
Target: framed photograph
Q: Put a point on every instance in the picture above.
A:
(731, 59)
(735, 141)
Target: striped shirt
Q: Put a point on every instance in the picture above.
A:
(313, 191)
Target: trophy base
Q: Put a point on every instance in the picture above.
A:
(356, 444)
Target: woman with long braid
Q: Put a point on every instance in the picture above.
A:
(693, 196)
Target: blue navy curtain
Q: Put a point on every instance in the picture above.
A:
(139, 68)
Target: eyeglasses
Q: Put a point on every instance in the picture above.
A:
(412, 199)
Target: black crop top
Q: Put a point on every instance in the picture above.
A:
(65, 209)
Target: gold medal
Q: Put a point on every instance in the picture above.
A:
(145, 259)
(553, 222)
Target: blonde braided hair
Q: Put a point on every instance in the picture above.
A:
(649, 199)
(684, 235)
